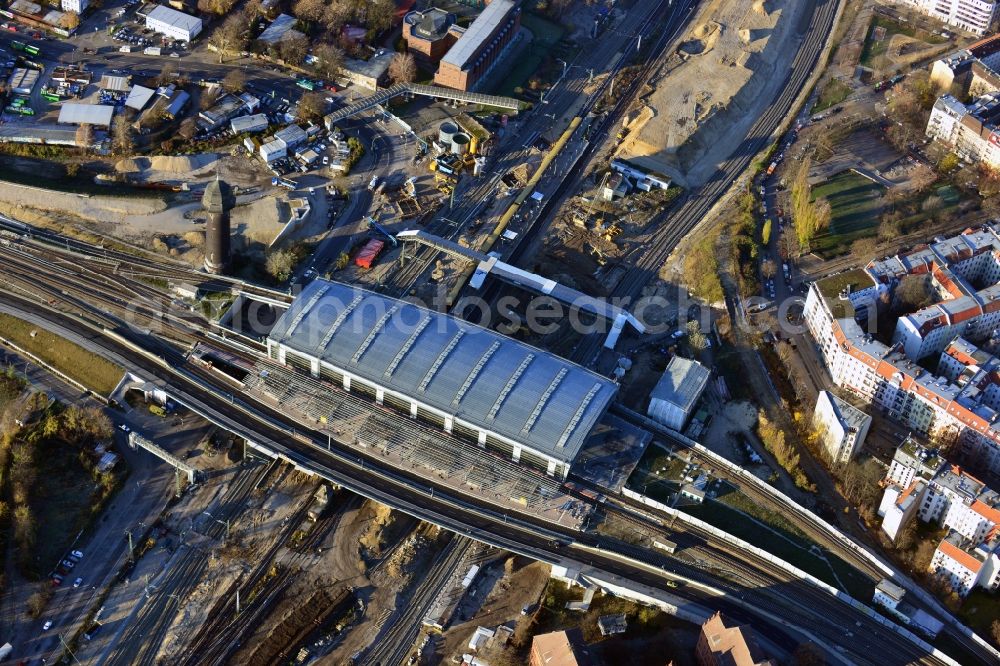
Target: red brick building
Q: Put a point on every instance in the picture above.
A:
(480, 47)
(430, 33)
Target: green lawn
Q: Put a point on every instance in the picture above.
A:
(874, 48)
(856, 204)
(91, 370)
(786, 545)
(834, 92)
(546, 35)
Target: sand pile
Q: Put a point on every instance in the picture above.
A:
(167, 164)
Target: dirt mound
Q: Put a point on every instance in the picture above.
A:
(167, 163)
(704, 38)
(762, 7)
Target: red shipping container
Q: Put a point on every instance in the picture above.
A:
(369, 253)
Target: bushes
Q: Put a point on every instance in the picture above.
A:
(744, 248)
(701, 270)
(773, 439)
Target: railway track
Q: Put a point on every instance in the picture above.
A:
(392, 646)
(646, 260)
(451, 223)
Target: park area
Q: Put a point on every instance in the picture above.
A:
(893, 45)
(855, 206)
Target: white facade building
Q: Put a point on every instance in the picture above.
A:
(898, 507)
(968, 130)
(78, 6)
(273, 150)
(973, 16)
(960, 404)
(173, 23)
(842, 426)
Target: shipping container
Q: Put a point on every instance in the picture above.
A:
(369, 253)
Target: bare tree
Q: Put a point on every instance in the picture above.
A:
(293, 50)
(768, 269)
(329, 59)
(403, 68)
(188, 129)
(122, 136)
(864, 248)
(85, 136)
(234, 81)
(230, 36)
(312, 106)
(168, 72)
(209, 97)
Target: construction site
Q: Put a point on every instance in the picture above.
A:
(712, 88)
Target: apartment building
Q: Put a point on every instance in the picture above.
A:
(972, 71)
(969, 130)
(975, 16)
(842, 427)
(959, 403)
(966, 565)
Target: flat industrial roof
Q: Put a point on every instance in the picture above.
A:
(174, 18)
(472, 373)
(682, 383)
(139, 97)
(465, 48)
(91, 114)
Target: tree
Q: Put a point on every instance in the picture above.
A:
(309, 10)
(768, 269)
(280, 264)
(822, 212)
(230, 36)
(293, 50)
(71, 20)
(861, 481)
(122, 136)
(765, 232)
(864, 248)
(913, 293)
(209, 97)
(995, 632)
(948, 163)
(217, 7)
(234, 81)
(168, 72)
(403, 68)
(378, 14)
(329, 59)
(696, 338)
(312, 106)
(85, 136)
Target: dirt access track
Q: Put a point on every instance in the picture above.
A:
(708, 94)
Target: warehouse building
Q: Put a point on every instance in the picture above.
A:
(173, 23)
(474, 383)
(98, 115)
(480, 47)
(254, 123)
(675, 395)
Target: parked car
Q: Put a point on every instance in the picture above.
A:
(78, 582)
(78, 554)
(57, 580)
(124, 428)
(69, 564)
(47, 625)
